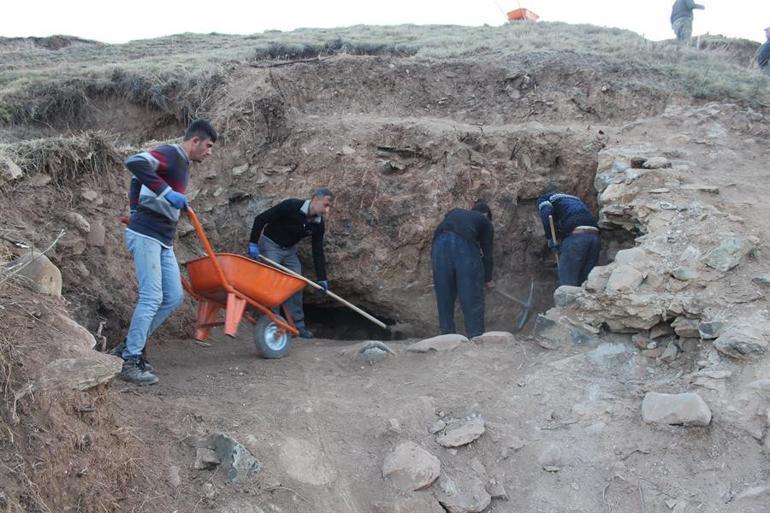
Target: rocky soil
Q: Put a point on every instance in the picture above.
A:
(644, 390)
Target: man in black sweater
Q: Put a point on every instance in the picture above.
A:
(462, 263)
(681, 18)
(276, 232)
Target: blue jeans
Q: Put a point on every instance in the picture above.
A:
(579, 254)
(288, 258)
(458, 269)
(160, 290)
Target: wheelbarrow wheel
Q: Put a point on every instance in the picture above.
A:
(272, 342)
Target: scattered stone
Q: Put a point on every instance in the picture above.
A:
(394, 426)
(652, 353)
(496, 490)
(78, 221)
(422, 502)
(598, 278)
(710, 330)
(173, 476)
(762, 280)
(687, 409)
(462, 433)
(410, 467)
(727, 254)
(551, 459)
(686, 328)
(551, 334)
(641, 341)
(741, 342)
(470, 496)
(609, 354)
(86, 371)
(372, 351)
(42, 276)
(9, 171)
(685, 274)
(661, 330)
(237, 462)
(239, 170)
(208, 491)
(512, 445)
(657, 163)
(670, 353)
(566, 295)
(347, 150)
(624, 278)
(495, 337)
(441, 343)
(96, 235)
(206, 459)
(436, 427)
(91, 196)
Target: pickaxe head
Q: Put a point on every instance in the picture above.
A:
(525, 305)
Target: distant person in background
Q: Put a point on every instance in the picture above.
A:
(763, 55)
(681, 18)
(462, 263)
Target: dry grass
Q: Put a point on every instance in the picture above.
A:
(179, 75)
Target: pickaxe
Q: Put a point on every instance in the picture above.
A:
(526, 305)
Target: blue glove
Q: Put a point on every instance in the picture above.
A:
(553, 245)
(253, 251)
(176, 199)
(324, 285)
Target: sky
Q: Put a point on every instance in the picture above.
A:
(113, 22)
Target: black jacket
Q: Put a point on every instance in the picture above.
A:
(287, 223)
(472, 226)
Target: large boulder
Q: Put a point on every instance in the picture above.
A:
(468, 495)
(441, 343)
(462, 432)
(743, 342)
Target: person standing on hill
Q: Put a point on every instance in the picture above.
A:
(156, 197)
(276, 232)
(576, 228)
(763, 55)
(462, 263)
(681, 18)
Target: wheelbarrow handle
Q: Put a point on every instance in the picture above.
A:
(209, 250)
(328, 292)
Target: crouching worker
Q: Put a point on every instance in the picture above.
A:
(276, 232)
(462, 264)
(576, 229)
(156, 196)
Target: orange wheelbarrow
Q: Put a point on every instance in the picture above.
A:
(230, 282)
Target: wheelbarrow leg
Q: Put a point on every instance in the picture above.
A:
(233, 313)
(207, 315)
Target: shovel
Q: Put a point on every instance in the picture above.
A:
(526, 305)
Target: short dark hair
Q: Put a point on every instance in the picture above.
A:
(202, 129)
(323, 192)
(482, 207)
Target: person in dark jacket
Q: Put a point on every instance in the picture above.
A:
(276, 232)
(576, 229)
(462, 264)
(763, 54)
(681, 18)
(156, 198)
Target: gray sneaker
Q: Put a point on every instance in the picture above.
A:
(304, 332)
(143, 362)
(134, 372)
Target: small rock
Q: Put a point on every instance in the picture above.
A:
(686, 328)
(657, 163)
(436, 426)
(511, 445)
(91, 196)
(9, 171)
(685, 274)
(670, 353)
(394, 426)
(495, 337)
(727, 254)
(42, 276)
(496, 490)
(710, 330)
(762, 280)
(347, 150)
(96, 235)
(208, 490)
(373, 351)
(660, 330)
(237, 462)
(468, 496)
(173, 476)
(566, 295)
(78, 221)
(640, 341)
(462, 433)
(741, 342)
(206, 459)
(624, 278)
(551, 459)
(686, 409)
(239, 170)
(652, 353)
(410, 467)
(441, 343)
